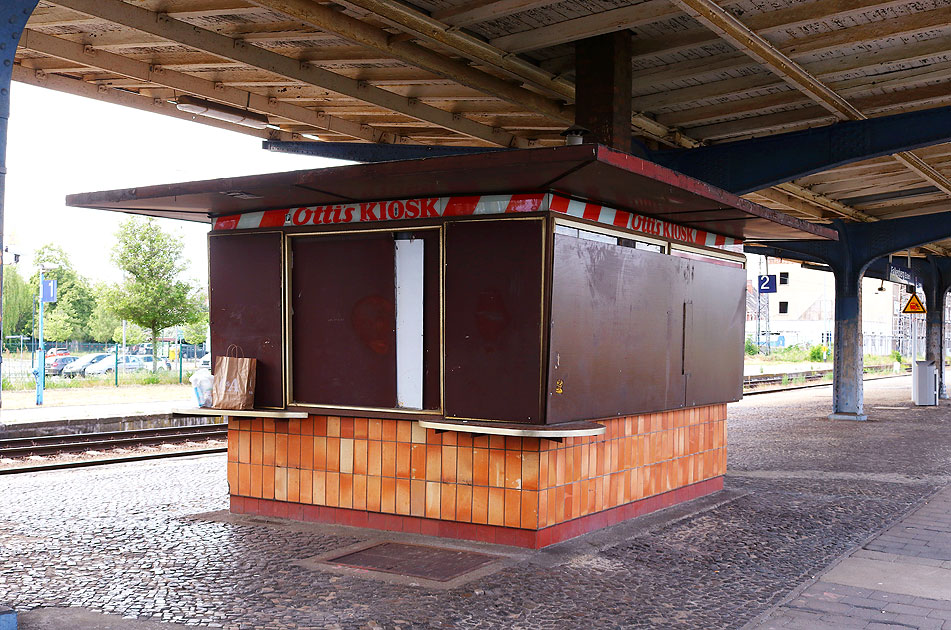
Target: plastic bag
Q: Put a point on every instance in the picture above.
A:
(202, 382)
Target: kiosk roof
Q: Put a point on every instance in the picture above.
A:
(588, 172)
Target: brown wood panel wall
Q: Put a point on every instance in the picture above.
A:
(493, 320)
(246, 302)
(343, 326)
(619, 343)
(715, 332)
(616, 331)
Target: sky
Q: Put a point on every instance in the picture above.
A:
(59, 144)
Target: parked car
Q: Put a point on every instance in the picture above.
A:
(78, 367)
(107, 365)
(205, 361)
(55, 366)
(57, 352)
(163, 364)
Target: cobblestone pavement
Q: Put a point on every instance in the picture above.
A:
(802, 492)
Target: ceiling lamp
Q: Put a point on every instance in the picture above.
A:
(218, 111)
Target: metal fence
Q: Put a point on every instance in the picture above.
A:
(19, 363)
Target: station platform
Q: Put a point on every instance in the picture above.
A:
(810, 511)
(92, 418)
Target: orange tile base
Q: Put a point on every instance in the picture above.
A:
(400, 472)
(532, 539)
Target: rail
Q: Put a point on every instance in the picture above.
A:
(755, 381)
(80, 442)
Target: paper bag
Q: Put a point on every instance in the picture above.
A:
(235, 378)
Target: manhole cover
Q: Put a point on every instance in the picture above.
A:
(430, 563)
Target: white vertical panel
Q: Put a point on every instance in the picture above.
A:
(409, 324)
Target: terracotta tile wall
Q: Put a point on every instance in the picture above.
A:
(397, 467)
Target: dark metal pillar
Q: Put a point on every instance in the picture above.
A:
(13, 17)
(847, 364)
(935, 276)
(858, 246)
(603, 89)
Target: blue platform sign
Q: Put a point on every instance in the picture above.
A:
(767, 284)
(48, 292)
(900, 274)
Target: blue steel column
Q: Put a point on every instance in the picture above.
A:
(847, 365)
(858, 246)
(935, 275)
(13, 17)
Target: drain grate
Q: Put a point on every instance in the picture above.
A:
(430, 563)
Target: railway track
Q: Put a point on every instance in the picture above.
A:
(794, 379)
(82, 442)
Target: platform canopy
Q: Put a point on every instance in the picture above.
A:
(586, 172)
(502, 73)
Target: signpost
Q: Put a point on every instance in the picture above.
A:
(47, 294)
(914, 306)
(767, 284)
(899, 274)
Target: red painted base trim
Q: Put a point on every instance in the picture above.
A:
(532, 539)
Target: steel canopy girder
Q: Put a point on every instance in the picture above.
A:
(748, 165)
(370, 152)
(861, 243)
(13, 17)
(738, 167)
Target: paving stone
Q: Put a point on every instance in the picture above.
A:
(121, 539)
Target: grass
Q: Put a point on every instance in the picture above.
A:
(163, 377)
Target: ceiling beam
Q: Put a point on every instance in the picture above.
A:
(56, 17)
(359, 32)
(425, 27)
(779, 20)
(70, 51)
(744, 39)
(829, 66)
(857, 88)
(586, 26)
(481, 10)
(803, 117)
(76, 87)
(237, 50)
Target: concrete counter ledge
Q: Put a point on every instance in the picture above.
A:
(242, 413)
(550, 432)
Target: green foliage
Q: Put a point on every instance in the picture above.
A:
(152, 295)
(164, 377)
(133, 334)
(63, 324)
(103, 322)
(896, 356)
(816, 354)
(73, 294)
(197, 332)
(791, 354)
(751, 348)
(17, 303)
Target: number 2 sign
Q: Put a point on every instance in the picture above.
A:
(767, 284)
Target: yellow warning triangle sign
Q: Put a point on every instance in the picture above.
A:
(914, 305)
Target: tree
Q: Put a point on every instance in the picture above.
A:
(103, 321)
(17, 303)
(197, 332)
(133, 334)
(72, 289)
(152, 295)
(62, 324)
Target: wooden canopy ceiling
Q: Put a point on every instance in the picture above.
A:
(501, 72)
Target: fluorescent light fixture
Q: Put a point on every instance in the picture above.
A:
(218, 111)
